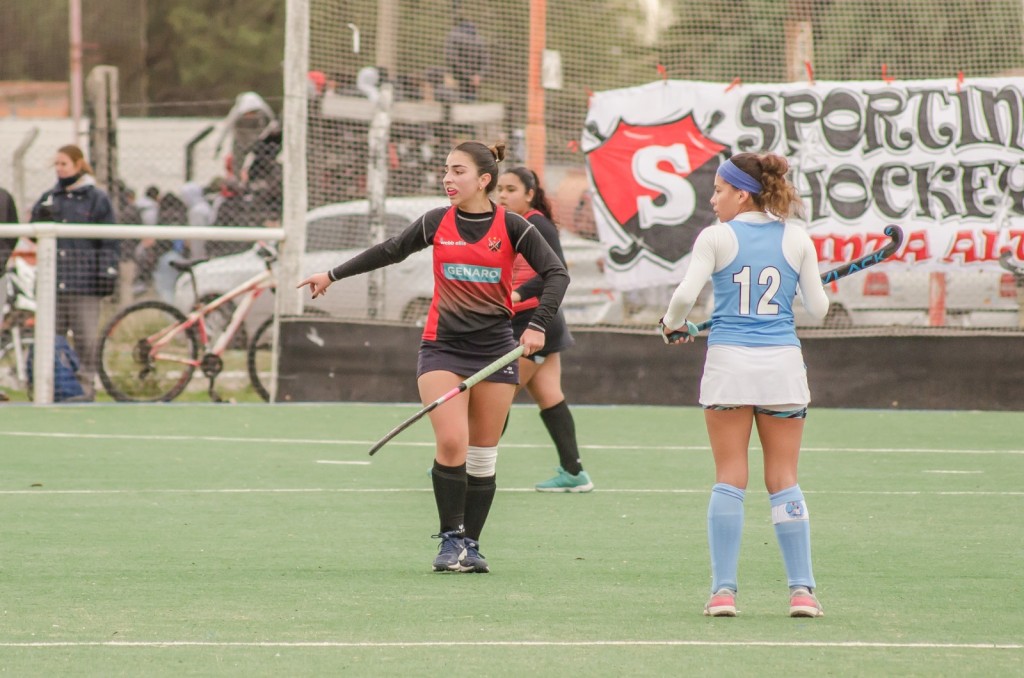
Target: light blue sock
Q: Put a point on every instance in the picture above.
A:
(725, 529)
(793, 530)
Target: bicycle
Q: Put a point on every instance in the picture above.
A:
(17, 320)
(149, 351)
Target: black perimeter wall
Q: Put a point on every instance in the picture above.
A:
(327, 361)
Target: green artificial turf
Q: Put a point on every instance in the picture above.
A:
(217, 540)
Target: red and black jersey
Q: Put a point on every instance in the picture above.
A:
(472, 280)
(521, 272)
(477, 313)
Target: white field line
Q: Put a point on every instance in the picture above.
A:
(516, 643)
(367, 443)
(348, 463)
(530, 490)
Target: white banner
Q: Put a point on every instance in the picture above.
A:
(939, 158)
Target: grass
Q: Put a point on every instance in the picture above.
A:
(188, 539)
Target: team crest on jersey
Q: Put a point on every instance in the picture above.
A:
(494, 244)
(655, 182)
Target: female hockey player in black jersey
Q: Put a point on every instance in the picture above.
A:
(519, 190)
(475, 243)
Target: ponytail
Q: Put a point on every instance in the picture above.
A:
(486, 159)
(778, 196)
(531, 182)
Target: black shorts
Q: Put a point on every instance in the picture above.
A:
(436, 356)
(557, 336)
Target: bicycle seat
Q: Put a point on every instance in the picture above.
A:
(186, 264)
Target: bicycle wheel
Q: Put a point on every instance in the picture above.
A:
(261, 356)
(128, 369)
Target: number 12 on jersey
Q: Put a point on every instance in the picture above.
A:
(770, 278)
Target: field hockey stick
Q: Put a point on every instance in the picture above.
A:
(895, 234)
(469, 383)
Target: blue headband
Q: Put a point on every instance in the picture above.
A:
(738, 178)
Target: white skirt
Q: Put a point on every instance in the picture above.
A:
(765, 376)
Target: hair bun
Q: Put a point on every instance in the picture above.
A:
(498, 149)
(774, 164)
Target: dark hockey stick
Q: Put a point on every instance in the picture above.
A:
(895, 234)
(469, 383)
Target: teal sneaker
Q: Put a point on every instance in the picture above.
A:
(566, 482)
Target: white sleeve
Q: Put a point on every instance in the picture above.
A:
(712, 243)
(799, 250)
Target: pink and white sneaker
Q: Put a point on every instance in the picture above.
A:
(803, 603)
(721, 604)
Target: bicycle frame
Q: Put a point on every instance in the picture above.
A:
(249, 291)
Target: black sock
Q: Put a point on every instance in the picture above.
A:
(450, 495)
(562, 429)
(479, 495)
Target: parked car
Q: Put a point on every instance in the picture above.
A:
(337, 232)
(901, 296)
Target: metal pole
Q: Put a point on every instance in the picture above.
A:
(288, 300)
(387, 35)
(75, 32)
(377, 190)
(143, 51)
(46, 304)
(799, 36)
(536, 130)
(19, 165)
(190, 150)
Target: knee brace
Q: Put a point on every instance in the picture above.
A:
(481, 462)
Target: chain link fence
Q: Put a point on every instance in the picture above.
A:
(521, 71)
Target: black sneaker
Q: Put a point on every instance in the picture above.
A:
(472, 560)
(449, 552)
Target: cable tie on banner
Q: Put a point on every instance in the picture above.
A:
(735, 83)
(663, 71)
(573, 146)
(959, 81)
(590, 95)
(885, 74)
(810, 72)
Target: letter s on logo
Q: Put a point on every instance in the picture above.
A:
(680, 198)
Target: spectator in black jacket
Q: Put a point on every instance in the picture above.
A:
(467, 57)
(86, 267)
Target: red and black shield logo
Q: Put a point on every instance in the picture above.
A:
(655, 181)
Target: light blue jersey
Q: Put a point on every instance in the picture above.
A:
(754, 293)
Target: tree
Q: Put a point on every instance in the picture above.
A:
(215, 49)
